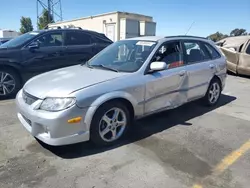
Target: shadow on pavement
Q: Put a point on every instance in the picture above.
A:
(142, 128)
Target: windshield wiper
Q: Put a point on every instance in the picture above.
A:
(105, 67)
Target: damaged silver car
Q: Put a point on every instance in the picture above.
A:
(237, 52)
(128, 80)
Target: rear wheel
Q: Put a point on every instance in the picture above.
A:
(213, 93)
(9, 83)
(110, 123)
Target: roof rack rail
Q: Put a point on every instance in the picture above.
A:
(186, 36)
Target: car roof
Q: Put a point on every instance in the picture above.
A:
(235, 41)
(158, 38)
(67, 29)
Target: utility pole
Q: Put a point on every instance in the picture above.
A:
(54, 8)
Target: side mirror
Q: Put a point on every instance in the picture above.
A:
(158, 66)
(33, 45)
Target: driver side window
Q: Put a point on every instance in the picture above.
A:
(171, 54)
(50, 40)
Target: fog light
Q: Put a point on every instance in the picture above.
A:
(75, 120)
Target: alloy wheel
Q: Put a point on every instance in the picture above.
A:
(7, 83)
(112, 124)
(214, 93)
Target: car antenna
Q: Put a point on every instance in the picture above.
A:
(190, 27)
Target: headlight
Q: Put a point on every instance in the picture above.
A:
(57, 104)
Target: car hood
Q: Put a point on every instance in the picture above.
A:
(62, 82)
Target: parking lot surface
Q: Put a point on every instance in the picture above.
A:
(192, 146)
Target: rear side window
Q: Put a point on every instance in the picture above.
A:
(213, 53)
(195, 52)
(248, 49)
(77, 38)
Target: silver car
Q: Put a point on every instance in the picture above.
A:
(128, 80)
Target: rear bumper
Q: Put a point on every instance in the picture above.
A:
(52, 127)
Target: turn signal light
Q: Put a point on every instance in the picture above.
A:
(75, 120)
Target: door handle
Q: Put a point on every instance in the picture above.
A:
(211, 66)
(182, 73)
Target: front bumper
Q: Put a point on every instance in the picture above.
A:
(52, 127)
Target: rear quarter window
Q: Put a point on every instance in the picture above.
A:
(212, 51)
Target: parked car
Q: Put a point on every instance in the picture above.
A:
(128, 80)
(40, 51)
(237, 52)
(3, 40)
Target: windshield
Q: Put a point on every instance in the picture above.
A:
(19, 40)
(123, 56)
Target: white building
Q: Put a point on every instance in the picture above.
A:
(115, 25)
(4, 33)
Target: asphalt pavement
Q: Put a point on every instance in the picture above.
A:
(189, 147)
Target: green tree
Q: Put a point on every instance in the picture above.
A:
(45, 19)
(26, 25)
(238, 32)
(217, 36)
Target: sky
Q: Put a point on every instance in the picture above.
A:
(173, 17)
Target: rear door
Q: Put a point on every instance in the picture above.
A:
(80, 47)
(166, 89)
(200, 68)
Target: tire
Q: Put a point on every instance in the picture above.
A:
(213, 91)
(109, 126)
(10, 83)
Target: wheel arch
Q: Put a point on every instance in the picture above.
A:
(128, 100)
(13, 68)
(217, 78)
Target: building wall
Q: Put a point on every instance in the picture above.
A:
(95, 23)
(8, 34)
(109, 24)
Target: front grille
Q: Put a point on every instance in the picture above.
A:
(28, 98)
(26, 119)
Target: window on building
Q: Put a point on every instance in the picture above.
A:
(50, 40)
(77, 38)
(195, 52)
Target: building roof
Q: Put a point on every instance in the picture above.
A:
(98, 15)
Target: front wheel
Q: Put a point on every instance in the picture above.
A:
(109, 123)
(9, 83)
(213, 93)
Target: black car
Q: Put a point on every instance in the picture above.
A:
(40, 51)
(3, 40)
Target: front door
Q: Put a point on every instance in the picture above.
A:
(244, 60)
(165, 89)
(232, 58)
(49, 55)
(200, 67)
